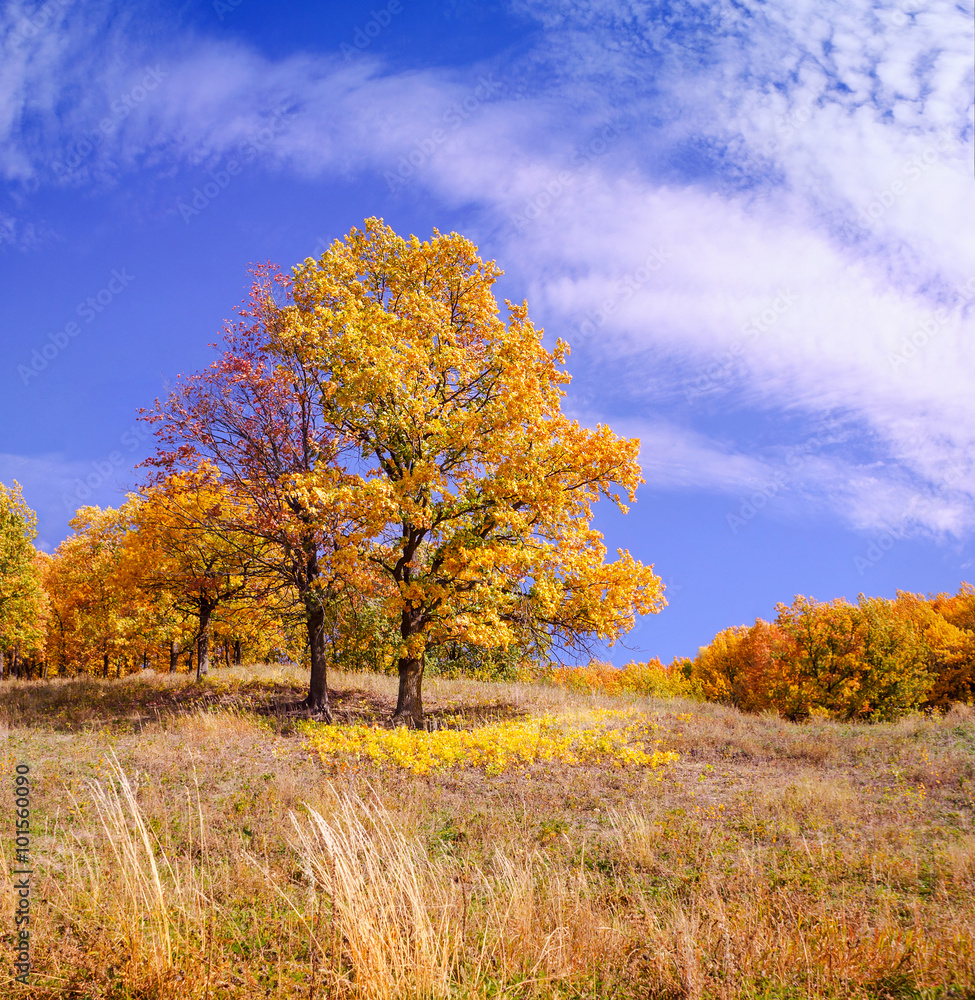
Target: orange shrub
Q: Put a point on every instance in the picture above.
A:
(650, 678)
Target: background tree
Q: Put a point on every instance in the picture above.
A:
(193, 567)
(878, 659)
(20, 590)
(473, 489)
(93, 604)
(952, 641)
(895, 659)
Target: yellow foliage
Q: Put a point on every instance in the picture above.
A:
(650, 678)
(471, 491)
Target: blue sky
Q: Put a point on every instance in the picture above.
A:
(751, 221)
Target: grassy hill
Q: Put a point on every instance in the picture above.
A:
(197, 840)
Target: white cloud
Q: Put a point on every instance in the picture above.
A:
(806, 475)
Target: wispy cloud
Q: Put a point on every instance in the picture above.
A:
(803, 167)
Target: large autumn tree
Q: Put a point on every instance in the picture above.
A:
(473, 490)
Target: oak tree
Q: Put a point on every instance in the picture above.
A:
(471, 488)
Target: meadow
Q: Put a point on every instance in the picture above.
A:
(199, 840)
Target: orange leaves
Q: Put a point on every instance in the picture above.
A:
(877, 659)
(94, 603)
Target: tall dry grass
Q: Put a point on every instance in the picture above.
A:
(387, 902)
(209, 854)
(416, 925)
(136, 905)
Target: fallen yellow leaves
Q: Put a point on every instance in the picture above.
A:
(565, 739)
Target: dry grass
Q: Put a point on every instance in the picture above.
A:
(189, 843)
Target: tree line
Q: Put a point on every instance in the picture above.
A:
(878, 659)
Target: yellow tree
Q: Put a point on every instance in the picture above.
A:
(951, 638)
(93, 605)
(181, 552)
(473, 491)
(21, 596)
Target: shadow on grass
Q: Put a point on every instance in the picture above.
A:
(132, 703)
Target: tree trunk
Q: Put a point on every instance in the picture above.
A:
(317, 700)
(409, 706)
(173, 656)
(16, 664)
(206, 607)
(238, 653)
(2, 665)
(203, 649)
(105, 664)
